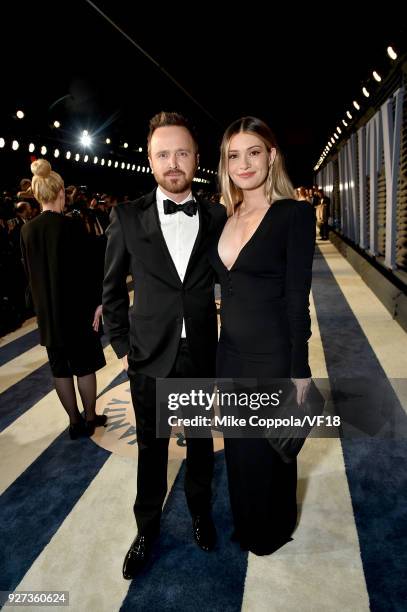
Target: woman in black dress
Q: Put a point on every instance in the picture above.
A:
(65, 297)
(264, 263)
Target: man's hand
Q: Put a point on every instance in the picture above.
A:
(302, 385)
(125, 363)
(96, 318)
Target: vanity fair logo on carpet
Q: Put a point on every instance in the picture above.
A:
(119, 437)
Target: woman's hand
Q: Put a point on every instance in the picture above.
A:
(96, 318)
(302, 385)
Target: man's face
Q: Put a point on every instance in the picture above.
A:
(173, 158)
(25, 212)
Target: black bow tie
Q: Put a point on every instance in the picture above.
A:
(189, 208)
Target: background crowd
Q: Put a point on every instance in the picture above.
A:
(92, 209)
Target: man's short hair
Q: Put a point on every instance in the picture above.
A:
(166, 119)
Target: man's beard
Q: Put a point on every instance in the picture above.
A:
(176, 184)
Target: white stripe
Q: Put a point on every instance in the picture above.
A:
(30, 435)
(18, 368)
(309, 573)
(387, 339)
(85, 556)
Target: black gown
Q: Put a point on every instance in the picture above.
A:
(265, 327)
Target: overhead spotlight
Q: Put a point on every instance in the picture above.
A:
(108, 141)
(57, 124)
(43, 150)
(15, 145)
(338, 129)
(85, 159)
(85, 133)
(140, 149)
(348, 115)
(356, 105)
(123, 165)
(102, 162)
(95, 160)
(333, 141)
(344, 123)
(56, 153)
(31, 147)
(116, 164)
(365, 92)
(68, 155)
(133, 167)
(109, 163)
(125, 145)
(143, 169)
(77, 157)
(128, 166)
(138, 168)
(2, 143)
(86, 140)
(376, 76)
(391, 53)
(20, 114)
(336, 136)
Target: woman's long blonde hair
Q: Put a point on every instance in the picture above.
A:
(277, 186)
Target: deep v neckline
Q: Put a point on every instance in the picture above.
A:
(245, 244)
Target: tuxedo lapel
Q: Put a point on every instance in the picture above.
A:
(204, 219)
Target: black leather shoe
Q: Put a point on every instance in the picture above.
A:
(137, 556)
(100, 420)
(204, 531)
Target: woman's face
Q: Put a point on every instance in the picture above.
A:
(248, 160)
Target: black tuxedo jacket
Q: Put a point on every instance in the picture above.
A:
(161, 300)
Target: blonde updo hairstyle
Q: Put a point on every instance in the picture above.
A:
(277, 186)
(46, 184)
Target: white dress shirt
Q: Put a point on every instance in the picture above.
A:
(180, 232)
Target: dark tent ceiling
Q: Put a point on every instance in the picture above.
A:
(298, 71)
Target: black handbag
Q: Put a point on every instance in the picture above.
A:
(288, 439)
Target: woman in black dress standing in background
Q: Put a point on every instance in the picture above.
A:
(264, 262)
(65, 297)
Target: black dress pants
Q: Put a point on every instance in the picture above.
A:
(153, 452)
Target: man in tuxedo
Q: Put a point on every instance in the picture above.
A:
(162, 238)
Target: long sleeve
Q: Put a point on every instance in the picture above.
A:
(300, 252)
(115, 294)
(28, 296)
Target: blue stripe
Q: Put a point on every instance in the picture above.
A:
(34, 506)
(20, 345)
(20, 397)
(183, 577)
(376, 469)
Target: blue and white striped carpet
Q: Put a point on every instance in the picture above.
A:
(66, 507)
